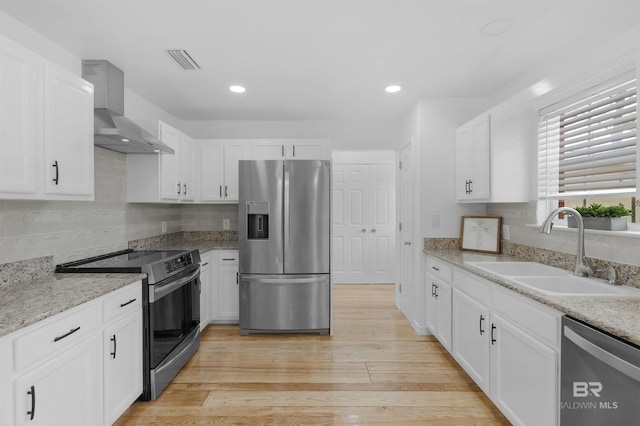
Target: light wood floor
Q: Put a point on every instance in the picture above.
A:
(373, 370)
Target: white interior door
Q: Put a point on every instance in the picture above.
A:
(363, 223)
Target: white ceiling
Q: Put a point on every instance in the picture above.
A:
(319, 59)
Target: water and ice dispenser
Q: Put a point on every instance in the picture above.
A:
(257, 220)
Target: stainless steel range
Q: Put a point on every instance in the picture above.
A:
(171, 307)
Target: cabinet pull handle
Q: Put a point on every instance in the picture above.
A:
(179, 188)
(435, 268)
(228, 259)
(220, 191)
(237, 278)
(113, 339)
(294, 150)
(185, 189)
(205, 264)
(493, 340)
(433, 291)
(282, 146)
(470, 186)
(481, 329)
(32, 392)
(55, 166)
(436, 293)
(73, 330)
(122, 305)
(225, 191)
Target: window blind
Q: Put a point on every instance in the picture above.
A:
(587, 144)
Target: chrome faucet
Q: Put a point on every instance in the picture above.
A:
(583, 267)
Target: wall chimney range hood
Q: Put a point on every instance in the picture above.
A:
(112, 130)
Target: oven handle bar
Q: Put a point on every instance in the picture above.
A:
(158, 293)
(602, 355)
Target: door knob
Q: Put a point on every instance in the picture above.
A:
(364, 231)
(407, 243)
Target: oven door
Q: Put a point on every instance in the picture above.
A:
(174, 323)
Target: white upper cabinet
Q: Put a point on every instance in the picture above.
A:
(495, 154)
(169, 179)
(46, 129)
(473, 160)
(68, 133)
(164, 177)
(19, 76)
(513, 155)
(219, 161)
(295, 149)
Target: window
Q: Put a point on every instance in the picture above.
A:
(587, 146)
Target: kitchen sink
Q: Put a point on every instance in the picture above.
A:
(519, 269)
(553, 281)
(570, 285)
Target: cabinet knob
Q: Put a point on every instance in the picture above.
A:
(373, 230)
(364, 230)
(179, 188)
(407, 243)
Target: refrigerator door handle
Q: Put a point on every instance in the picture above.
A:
(287, 240)
(291, 280)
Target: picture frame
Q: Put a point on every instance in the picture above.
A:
(481, 233)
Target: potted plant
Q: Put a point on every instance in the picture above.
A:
(605, 218)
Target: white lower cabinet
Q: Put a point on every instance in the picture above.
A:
(206, 285)
(63, 391)
(122, 351)
(225, 296)
(439, 309)
(510, 346)
(81, 367)
(471, 337)
(524, 379)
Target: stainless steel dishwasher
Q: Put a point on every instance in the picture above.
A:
(600, 378)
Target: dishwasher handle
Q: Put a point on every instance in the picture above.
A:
(602, 355)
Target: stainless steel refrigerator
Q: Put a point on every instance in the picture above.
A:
(284, 242)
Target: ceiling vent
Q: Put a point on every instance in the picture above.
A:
(183, 59)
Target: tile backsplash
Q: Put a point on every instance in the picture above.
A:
(71, 230)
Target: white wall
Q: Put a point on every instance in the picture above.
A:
(438, 120)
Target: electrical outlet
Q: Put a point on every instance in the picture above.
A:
(226, 224)
(506, 232)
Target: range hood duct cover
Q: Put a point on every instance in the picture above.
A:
(112, 130)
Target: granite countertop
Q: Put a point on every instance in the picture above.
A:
(619, 316)
(186, 244)
(25, 303)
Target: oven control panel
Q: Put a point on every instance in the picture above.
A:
(178, 263)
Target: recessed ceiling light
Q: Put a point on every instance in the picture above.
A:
(237, 89)
(393, 89)
(496, 27)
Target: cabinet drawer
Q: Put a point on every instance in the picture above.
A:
(55, 334)
(439, 269)
(228, 257)
(536, 319)
(476, 288)
(122, 302)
